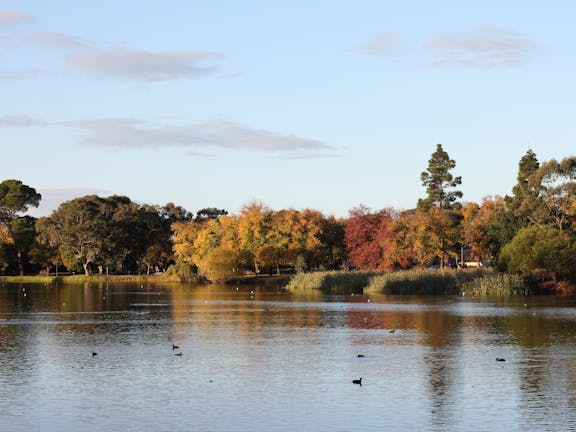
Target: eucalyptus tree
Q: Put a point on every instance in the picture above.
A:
(153, 229)
(15, 199)
(525, 205)
(79, 229)
(554, 184)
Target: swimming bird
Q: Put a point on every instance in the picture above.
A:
(175, 347)
(94, 354)
(358, 381)
(178, 354)
(498, 359)
(391, 331)
(360, 355)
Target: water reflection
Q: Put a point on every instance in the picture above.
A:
(257, 358)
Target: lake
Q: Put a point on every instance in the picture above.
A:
(257, 358)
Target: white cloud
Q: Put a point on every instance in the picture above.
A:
(481, 47)
(14, 17)
(145, 65)
(131, 133)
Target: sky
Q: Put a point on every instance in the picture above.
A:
(302, 104)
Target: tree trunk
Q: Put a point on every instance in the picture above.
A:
(278, 268)
(147, 269)
(86, 271)
(20, 265)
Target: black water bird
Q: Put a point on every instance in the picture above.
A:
(391, 331)
(175, 347)
(498, 359)
(360, 355)
(358, 381)
(178, 354)
(94, 354)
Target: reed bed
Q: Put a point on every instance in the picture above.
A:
(332, 282)
(499, 284)
(448, 282)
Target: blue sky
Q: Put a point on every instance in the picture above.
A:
(324, 105)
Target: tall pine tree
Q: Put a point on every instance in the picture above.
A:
(438, 180)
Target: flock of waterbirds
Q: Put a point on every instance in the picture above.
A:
(354, 381)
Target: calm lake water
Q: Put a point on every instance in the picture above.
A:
(271, 361)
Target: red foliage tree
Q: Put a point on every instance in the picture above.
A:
(369, 238)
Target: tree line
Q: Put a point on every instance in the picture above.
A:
(531, 232)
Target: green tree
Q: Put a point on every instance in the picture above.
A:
(525, 205)
(538, 252)
(15, 199)
(23, 233)
(45, 251)
(554, 185)
(80, 232)
(438, 180)
(209, 213)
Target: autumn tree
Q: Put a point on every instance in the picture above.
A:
(438, 180)
(253, 226)
(369, 238)
(479, 227)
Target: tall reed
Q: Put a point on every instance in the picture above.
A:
(332, 282)
(447, 282)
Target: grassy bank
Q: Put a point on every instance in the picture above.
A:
(84, 278)
(332, 282)
(28, 279)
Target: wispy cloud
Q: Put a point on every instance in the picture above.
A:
(126, 133)
(145, 65)
(45, 39)
(25, 74)
(52, 198)
(56, 40)
(8, 17)
(21, 121)
(481, 47)
(383, 44)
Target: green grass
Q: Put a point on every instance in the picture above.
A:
(83, 278)
(28, 279)
(332, 282)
